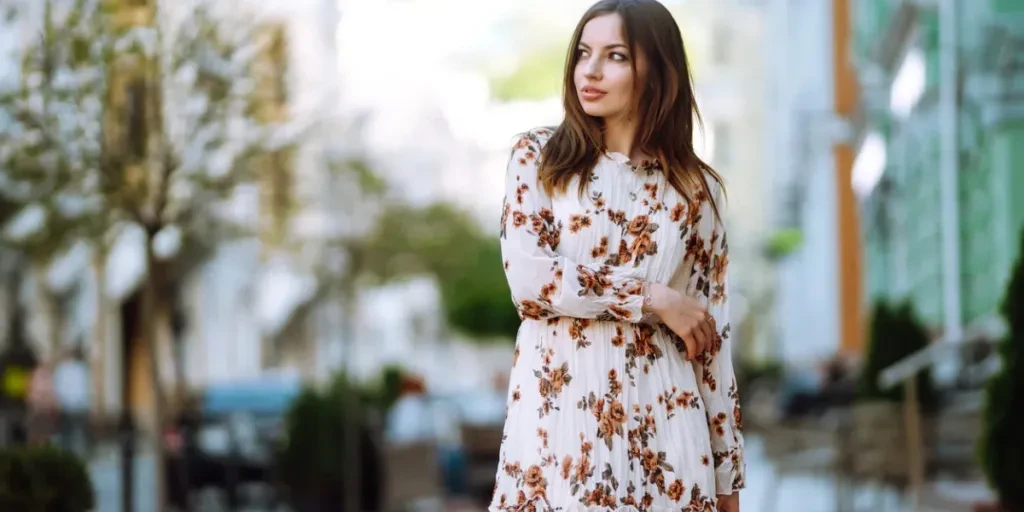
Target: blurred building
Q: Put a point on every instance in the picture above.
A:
(802, 127)
(255, 305)
(940, 128)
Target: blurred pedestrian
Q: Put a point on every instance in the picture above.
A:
(410, 419)
(622, 393)
(42, 405)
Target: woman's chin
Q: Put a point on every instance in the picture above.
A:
(596, 110)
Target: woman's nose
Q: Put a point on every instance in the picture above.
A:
(592, 68)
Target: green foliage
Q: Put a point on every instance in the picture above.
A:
(64, 149)
(318, 428)
(446, 242)
(478, 300)
(313, 454)
(896, 332)
(538, 76)
(783, 243)
(1001, 445)
(44, 479)
(382, 393)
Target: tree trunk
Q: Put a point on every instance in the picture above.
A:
(150, 299)
(353, 483)
(98, 353)
(47, 347)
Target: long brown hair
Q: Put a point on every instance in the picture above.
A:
(666, 106)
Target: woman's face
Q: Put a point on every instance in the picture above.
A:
(604, 72)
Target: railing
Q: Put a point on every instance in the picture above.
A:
(905, 372)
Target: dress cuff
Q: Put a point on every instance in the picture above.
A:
(730, 471)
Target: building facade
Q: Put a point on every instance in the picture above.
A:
(939, 167)
(802, 127)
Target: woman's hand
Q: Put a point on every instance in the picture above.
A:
(685, 316)
(729, 502)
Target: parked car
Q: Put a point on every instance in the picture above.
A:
(227, 439)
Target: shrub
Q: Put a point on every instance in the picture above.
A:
(311, 463)
(44, 479)
(896, 333)
(1001, 445)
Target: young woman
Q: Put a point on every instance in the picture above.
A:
(622, 393)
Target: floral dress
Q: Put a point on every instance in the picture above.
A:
(604, 411)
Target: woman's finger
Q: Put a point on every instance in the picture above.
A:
(701, 339)
(691, 346)
(709, 332)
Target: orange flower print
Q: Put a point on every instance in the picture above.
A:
(638, 225)
(601, 250)
(617, 217)
(532, 310)
(642, 246)
(647, 501)
(718, 423)
(614, 385)
(577, 265)
(619, 339)
(578, 332)
(578, 222)
(688, 399)
(677, 212)
(675, 490)
(518, 219)
(652, 190)
(709, 379)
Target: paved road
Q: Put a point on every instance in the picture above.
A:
(804, 492)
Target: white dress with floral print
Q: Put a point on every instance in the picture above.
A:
(604, 411)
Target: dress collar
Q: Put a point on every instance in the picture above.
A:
(621, 159)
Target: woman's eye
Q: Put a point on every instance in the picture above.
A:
(619, 56)
(581, 52)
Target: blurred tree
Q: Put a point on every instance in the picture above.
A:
(448, 243)
(131, 115)
(1001, 445)
(538, 75)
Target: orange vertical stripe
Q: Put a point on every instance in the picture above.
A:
(851, 318)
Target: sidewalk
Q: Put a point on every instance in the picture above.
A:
(105, 470)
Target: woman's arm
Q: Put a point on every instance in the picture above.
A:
(714, 368)
(544, 283)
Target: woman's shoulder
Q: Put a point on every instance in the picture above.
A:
(533, 139)
(716, 185)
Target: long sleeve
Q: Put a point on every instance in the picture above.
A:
(544, 283)
(716, 377)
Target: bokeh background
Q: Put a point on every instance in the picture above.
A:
(249, 254)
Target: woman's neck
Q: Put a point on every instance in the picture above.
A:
(619, 135)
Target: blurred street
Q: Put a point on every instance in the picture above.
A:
(105, 469)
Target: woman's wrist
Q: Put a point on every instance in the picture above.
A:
(654, 297)
(645, 292)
